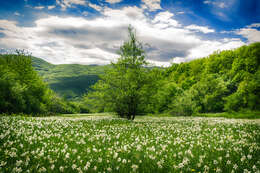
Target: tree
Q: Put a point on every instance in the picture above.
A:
(120, 88)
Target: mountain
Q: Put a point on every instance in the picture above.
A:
(70, 81)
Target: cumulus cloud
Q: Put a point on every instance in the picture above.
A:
(252, 35)
(39, 7)
(96, 7)
(113, 1)
(164, 19)
(250, 32)
(69, 3)
(197, 28)
(152, 5)
(95, 41)
(51, 7)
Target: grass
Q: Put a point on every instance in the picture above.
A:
(103, 143)
(237, 115)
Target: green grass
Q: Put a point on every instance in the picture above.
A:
(238, 115)
(103, 143)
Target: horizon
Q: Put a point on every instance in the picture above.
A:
(90, 32)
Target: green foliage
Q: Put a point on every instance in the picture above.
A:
(23, 91)
(70, 81)
(224, 81)
(120, 87)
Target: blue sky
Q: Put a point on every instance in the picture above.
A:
(91, 31)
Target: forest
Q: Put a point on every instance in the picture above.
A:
(225, 81)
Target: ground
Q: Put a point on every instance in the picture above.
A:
(105, 143)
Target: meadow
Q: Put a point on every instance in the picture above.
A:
(105, 143)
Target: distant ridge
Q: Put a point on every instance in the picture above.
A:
(70, 81)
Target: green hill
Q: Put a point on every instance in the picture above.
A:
(68, 80)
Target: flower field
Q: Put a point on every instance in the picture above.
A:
(108, 144)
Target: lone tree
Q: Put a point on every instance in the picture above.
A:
(120, 88)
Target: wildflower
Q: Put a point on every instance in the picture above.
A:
(215, 162)
(52, 166)
(124, 161)
(235, 166)
(243, 159)
(74, 166)
(134, 167)
(18, 163)
(3, 163)
(218, 170)
(115, 155)
(61, 168)
(99, 160)
(246, 171)
(42, 169)
(67, 155)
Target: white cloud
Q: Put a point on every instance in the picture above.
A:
(17, 14)
(51, 7)
(113, 1)
(197, 28)
(164, 19)
(208, 47)
(181, 12)
(95, 41)
(216, 3)
(152, 5)
(96, 7)
(254, 25)
(253, 35)
(39, 7)
(69, 3)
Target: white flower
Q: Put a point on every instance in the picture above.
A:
(87, 166)
(215, 162)
(52, 167)
(61, 168)
(218, 170)
(74, 166)
(3, 163)
(134, 167)
(235, 166)
(243, 159)
(42, 169)
(115, 155)
(99, 160)
(18, 163)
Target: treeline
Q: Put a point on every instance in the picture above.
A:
(23, 91)
(224, 81)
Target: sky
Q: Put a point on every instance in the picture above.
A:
(92, 31)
